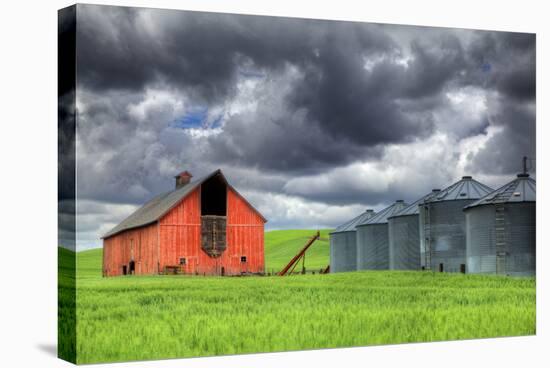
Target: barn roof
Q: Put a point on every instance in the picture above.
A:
(157, 207)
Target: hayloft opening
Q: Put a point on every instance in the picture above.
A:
(213, 215)
(214, 197)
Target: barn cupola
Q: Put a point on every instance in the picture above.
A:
(183, 179)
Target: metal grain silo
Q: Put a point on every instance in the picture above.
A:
(373, 240)
(404, 236)
(343, 248)
(443, 225)
(501, 230)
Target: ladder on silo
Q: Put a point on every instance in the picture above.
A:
(427, 238)
(501, 235)
(500, 238)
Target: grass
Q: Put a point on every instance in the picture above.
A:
(153, 317)
(66, 302)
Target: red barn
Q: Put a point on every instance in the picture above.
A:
(201, 227)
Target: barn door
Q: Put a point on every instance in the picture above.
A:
(213, 235)
(243, 260)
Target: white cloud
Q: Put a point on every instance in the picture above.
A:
(467, 111)
(95, 219)
(155, 100)
(286, 211)
(405, 171)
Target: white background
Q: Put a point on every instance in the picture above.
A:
(28, 181)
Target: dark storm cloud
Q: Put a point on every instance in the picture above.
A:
(503, 153)
(368, 108)
(201, 54)
(66, 85)
(433, 65)
(190, 50)
(119, 53)
(66, 49)
(510, 60)
(511, 72)
(349, 110)
(130, 48)
(115, 148)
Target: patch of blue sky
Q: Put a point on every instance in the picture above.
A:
(194, 118)
(197, 118)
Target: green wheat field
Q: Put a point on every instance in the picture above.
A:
(155, 317)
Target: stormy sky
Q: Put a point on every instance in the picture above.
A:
(313, 121)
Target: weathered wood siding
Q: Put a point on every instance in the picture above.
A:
(245, 234)
(140, 243)
(180, 232)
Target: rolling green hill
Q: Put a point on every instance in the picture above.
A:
(280, 247)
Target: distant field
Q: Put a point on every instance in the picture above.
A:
(138, 318)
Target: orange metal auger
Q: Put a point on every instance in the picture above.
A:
(294, 261)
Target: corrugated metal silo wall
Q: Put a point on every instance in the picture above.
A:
(404, 242)
(373, 247)
(343, 252)
(518, 256)
(480, 240)
(448, 235)
(521, 220)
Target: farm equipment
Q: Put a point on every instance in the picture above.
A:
(172, 270)
(289, 268)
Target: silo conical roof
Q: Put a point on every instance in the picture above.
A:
(350, 225)
(521, 189)
(465, 188)
(382, 216)
(412, 209)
